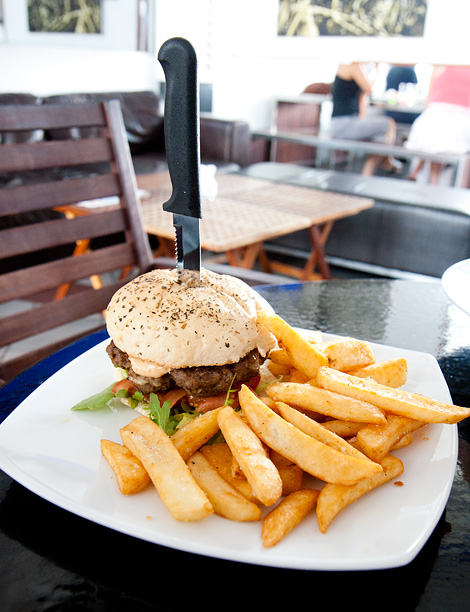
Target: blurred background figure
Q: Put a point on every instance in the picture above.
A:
(399, 79)
(444, 125)
(350, 120)
(400, 74)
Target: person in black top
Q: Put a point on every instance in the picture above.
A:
(397, 75)
(400, 74)
(349, 119)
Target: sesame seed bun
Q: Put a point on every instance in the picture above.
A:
(171, 319)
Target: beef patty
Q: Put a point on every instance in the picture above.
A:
(200, 381)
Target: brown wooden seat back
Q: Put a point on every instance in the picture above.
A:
(44, 283)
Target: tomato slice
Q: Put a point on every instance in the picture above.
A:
(174, 395)
(125, 383)
(254, 382)
(204, 404)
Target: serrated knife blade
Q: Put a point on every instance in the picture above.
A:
(187, 243)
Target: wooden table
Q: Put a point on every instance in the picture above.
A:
(246, 213)
(229, 224)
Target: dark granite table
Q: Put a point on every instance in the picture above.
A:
(51, 559)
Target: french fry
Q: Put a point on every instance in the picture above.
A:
(278, 370)
(236, 469)
(406, 440)
(347, 353)
(312, 456)
(220, 457)
(396, 401)
(316, 416)
(325, 402)
(333, 498)
(130, 474)
(170, 475)
(392, 373)
(250, 454)
(280, 357)
(296, 376)
(282, 519)
(337, 416)
(302, 353)
(344, 429)
(268, 401)
(225, 499)
(375, 441)
(317, 431)
(196, 433)
(290, 473)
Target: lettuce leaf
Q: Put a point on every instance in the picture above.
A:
(160, 414)
(96, 401)
(168, 418)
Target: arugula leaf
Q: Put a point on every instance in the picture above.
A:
(96, 401)
(169, 420)
(160, 414)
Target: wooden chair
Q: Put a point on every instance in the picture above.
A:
(58, 263)
(43, 279)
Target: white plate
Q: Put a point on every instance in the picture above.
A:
(55, 453)
(456, 284)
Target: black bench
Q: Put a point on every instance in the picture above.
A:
(411, 229)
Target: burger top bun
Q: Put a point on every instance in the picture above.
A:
(173, 319)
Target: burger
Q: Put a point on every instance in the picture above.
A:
(191, 337)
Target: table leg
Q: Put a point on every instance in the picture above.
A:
(246, 257)
(317, 257)
(81, 247)
(264, 261)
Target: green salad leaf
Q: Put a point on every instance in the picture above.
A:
(96, 401)
(158, 413)
(228, 399)
(168, 418)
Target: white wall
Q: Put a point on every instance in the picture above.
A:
(47, 64)
(48, 70)
(237, 45)
(250, 64)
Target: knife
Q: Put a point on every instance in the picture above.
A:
(181, 123)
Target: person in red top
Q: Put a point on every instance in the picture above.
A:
(444, 126)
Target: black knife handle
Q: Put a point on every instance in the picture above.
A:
(181, 122)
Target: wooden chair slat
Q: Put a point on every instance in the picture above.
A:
(57, 232)
(127, 247)
(54, 154)
(129, 186)
(39, 196)
(48, 116)
(47, 316)
(26, 282)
